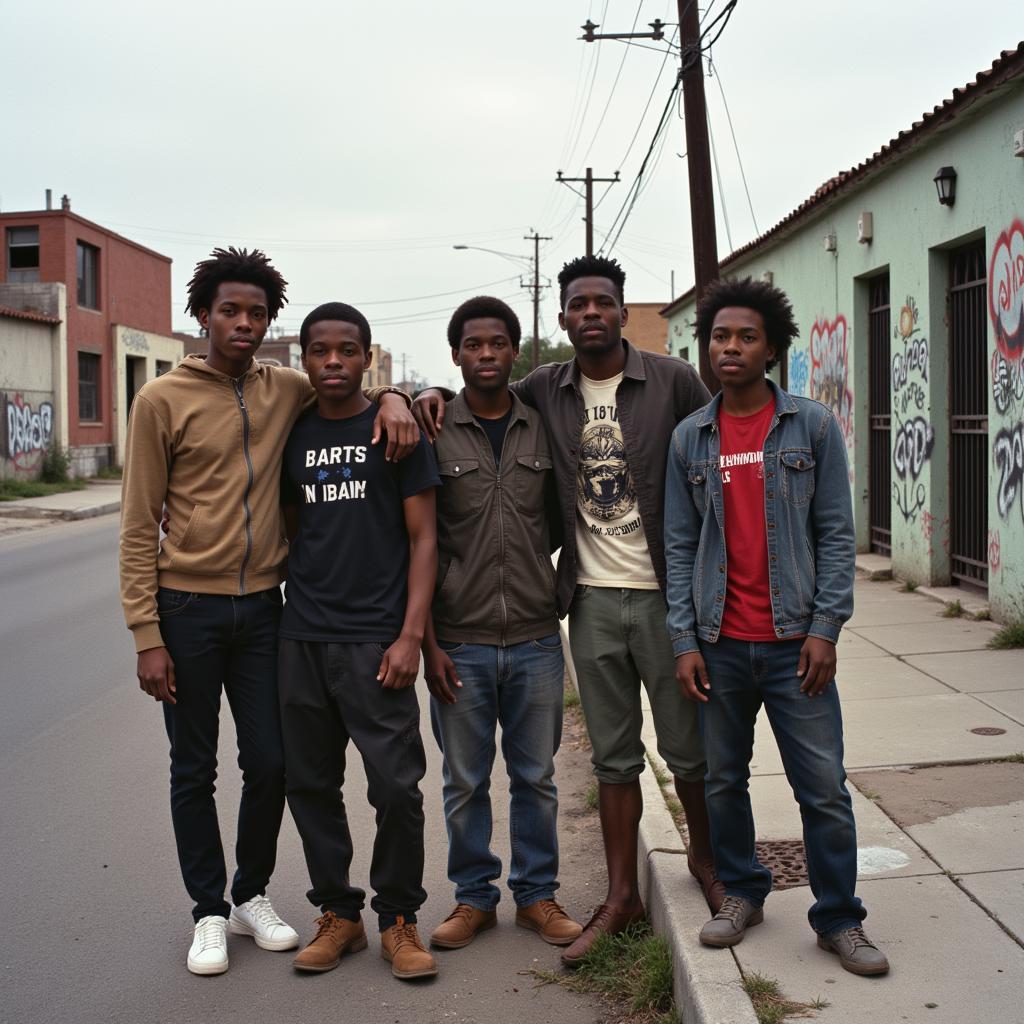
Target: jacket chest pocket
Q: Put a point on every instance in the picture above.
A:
(796, 467)
(697, 477)
(462, 491)
(528, 481)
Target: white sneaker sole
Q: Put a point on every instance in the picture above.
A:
(206, 969)
(237, 927)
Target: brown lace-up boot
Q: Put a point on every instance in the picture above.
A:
(549, 921)
(699, 858)
(461, 926)
(402, 946)
(335, 935)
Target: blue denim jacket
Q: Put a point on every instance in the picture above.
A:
(808, 512)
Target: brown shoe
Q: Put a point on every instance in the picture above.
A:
(606, 921)
(699, 857)
(402, 946)
(460, 927)
(335, 935)
(549, 921)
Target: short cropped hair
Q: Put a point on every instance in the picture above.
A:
(233, 264)
(475, 309)
(335, 311)
(772, 303)
(591, 266)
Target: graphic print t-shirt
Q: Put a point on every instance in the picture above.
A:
(611, 546)
(348, 566)
(748, 608)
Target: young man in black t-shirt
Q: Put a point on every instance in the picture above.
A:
(361, 571)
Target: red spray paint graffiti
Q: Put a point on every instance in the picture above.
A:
(829, 370)
(1006, 291)
(995, 559)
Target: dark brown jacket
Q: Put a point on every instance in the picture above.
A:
(657, 391)
(495, 581)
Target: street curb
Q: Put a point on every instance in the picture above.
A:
(15, 511)
(706, 983)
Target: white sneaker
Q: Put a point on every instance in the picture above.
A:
(208, 953)
(257, 918)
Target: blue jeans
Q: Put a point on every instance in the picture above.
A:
(519, 687)
(809, 731)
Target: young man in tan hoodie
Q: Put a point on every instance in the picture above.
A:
(205, 442)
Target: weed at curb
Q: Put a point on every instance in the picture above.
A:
(591, 797)
(571, 699)
(1008, 637)
(770, 1005)
(909, 586)
(953, 610)
(632, 969)
(13, 490)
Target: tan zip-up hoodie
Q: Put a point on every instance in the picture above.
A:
(210, 447)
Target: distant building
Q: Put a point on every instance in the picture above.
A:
(906, 274)
(379, 373)
(647, 328)
(116, 320)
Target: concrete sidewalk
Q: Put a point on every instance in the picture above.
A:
(98, 498)
(940, 849)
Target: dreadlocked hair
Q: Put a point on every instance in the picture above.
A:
(233, 264)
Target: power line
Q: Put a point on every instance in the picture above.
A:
(411, 298)
(714, 70)
(721, 192)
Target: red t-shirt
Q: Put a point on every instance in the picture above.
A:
(748, 607)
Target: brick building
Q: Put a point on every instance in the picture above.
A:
(118, 317)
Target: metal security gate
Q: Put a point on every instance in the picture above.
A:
(968, 410)
(880, 414)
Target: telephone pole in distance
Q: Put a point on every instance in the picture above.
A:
(588, 181)
(535, 288)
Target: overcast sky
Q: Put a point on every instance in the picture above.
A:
(357, 143)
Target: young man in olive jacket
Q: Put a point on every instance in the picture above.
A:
(609, 413)
(205, 442)
(495, 654)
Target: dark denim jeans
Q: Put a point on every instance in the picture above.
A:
(216, 642)
(520, 687)
(809, 732)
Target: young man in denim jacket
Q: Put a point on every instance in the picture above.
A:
(760, 551)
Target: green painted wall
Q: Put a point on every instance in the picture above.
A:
(912, 237)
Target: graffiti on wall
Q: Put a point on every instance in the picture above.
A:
(932, 525)
(828, 377)
(799, 372)
(995, 556)
(1006, 291)
(909, 365)
(1007, 383)
(1008, 455)
(29, 431)
(912, 434)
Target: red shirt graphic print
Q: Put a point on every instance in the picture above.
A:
(748, 608)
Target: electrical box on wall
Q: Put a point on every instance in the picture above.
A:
(830, 242)
(1018, 142)
(865, 227)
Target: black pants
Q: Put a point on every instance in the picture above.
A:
(231, 642)
(329, 695)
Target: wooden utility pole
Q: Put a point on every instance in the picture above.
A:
(535, 288)
(588, 182)
(698, 161)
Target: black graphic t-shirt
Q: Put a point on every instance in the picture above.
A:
(349, 563)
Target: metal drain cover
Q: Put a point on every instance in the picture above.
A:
(988, 730)
(785, 858)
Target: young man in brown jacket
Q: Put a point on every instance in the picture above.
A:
(205, 441)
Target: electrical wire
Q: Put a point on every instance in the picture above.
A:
(412, 298)
(590, 93)
(712, 67)
(718, 178)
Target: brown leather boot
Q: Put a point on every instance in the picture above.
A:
(335, 935)
(699, 857)
(606, 920)
(460, 927)
(402, 946)
(549, 921)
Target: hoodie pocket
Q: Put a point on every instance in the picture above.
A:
(189, 534)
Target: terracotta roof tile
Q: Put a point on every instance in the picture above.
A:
(28, 314)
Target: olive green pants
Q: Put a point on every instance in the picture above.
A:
(619, 639)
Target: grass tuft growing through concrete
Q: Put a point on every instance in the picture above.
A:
(1008, 637)
(591, 796)
(632, 969)
(570, 699)
(909, 586)
(770, 1005)
(953, 610)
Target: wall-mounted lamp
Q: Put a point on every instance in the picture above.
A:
(830, 242)
(865, 228)
(767, 277)
(945, 184)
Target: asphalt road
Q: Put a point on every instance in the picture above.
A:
(95, 918)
